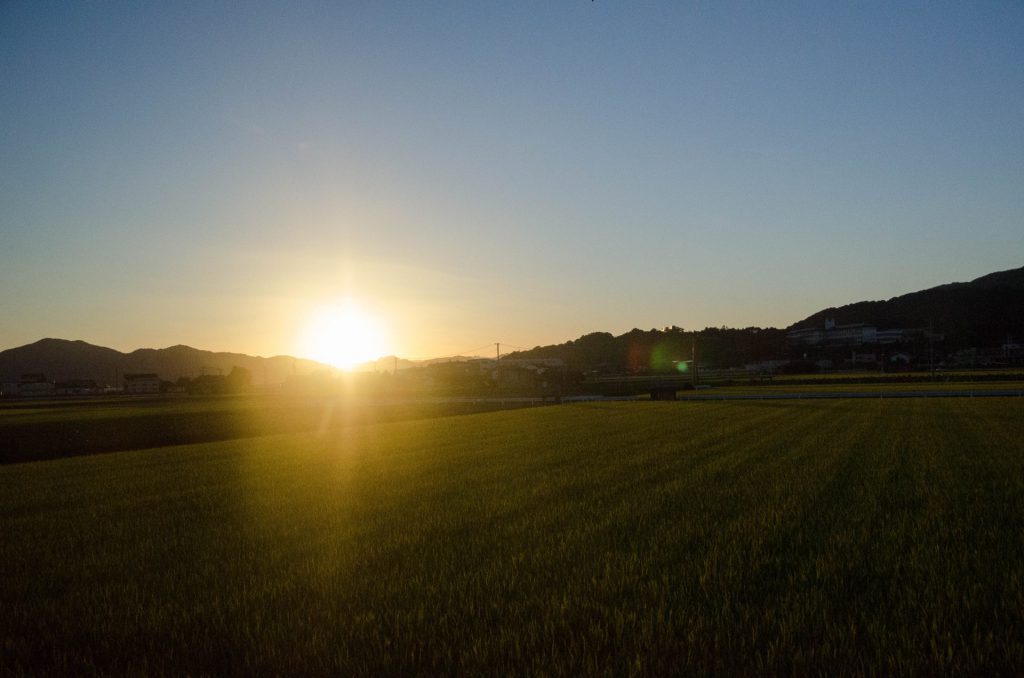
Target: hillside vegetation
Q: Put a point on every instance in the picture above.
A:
(982, 312)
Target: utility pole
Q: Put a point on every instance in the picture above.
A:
(931, 350)
(497, 351)
(693, 359)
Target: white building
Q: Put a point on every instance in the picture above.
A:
(141, 383)
(34, 385)
(834, 335)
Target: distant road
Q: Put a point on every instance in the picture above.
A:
(807, 395)
(835, 395)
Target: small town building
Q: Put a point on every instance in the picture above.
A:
(35, 384)
(76, 387)
(854, 334)
(141, 383)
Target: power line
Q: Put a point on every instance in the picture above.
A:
(469, 352)
(458, 354)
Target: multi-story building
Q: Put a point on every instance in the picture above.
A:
(34, 385)
(832, 334)
(141, 383)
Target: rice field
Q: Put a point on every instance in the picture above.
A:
(883, 389)
(50, 429)
(837, 537)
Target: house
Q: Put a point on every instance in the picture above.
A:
(31, 385)
(766, 366)
(890, 336)
(141, 383)
(546, 375)
(77, 387)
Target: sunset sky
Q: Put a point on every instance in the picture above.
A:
(218, 174)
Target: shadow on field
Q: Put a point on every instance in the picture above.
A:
(75, 430)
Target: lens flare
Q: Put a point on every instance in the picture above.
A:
(663, 358)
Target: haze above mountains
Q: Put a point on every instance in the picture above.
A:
(985, 311)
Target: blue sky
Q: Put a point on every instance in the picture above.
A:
(214, 173)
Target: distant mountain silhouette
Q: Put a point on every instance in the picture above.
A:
(982, 312)
(663, 351)
(61, 359)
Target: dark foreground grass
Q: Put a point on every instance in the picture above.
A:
(838, 537)
(41, 430)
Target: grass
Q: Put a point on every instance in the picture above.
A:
(38, 430)
(913, 387)
(837, 537)
(924, 375)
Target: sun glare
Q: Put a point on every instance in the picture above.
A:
(343, 335)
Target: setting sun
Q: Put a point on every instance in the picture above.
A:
(343, 335)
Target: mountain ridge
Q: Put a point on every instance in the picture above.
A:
(64, 359)
(975, 313)
(982, 312)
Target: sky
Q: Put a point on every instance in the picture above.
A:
(217, 174)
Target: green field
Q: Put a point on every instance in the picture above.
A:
(833, 537)
(976, 374)
(34, 430)
(967, 387)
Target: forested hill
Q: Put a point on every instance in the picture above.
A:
(61, 359)
(661, 350)
(982, 312)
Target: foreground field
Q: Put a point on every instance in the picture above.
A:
(835, 536)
